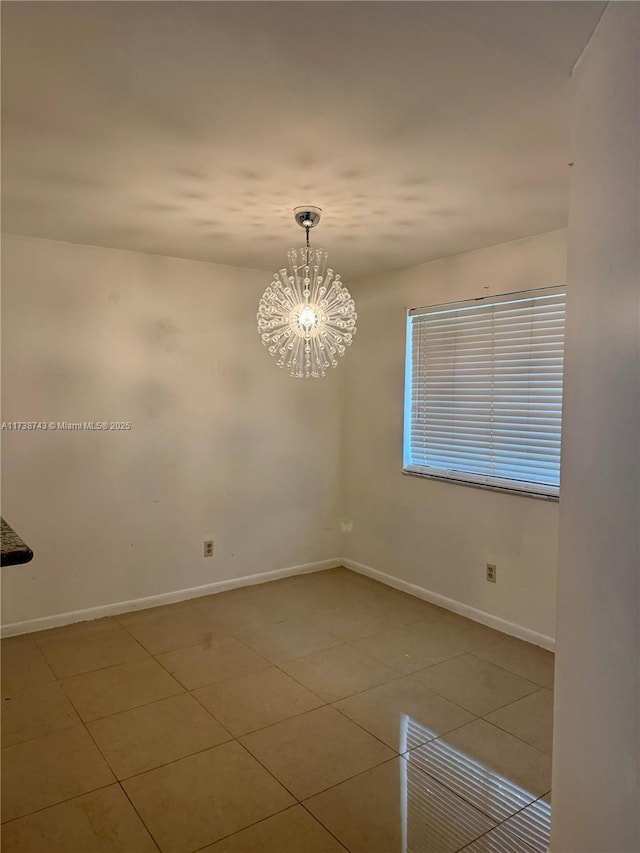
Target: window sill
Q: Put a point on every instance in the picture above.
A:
(456, 481)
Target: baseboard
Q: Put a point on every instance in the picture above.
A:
(456, 606)
(29, 626)
(69, 618)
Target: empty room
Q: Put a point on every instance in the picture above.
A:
(320, 427)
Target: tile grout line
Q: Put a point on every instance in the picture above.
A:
(519, 699)
(502, 728)
(243, 828)
(262, 728)
(122, 710)
(115, 780)
(277, 666)
(488, 832)
(511, 671)
(325, 703)
(402, 756)
(528, 806)
(326, 828)
(232, 739)
(59, 803)
(62, 678)
(197, 646)
(140, 818)
(335, 784)
(451, 790)
(121, 787)
(461, 795)
(536, 687)
(187, 691)
(469, 711)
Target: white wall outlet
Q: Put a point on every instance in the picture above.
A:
(491, 572)
(208, 547)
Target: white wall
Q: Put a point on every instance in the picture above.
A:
(223, 442)
(596, 772)
(435, 535)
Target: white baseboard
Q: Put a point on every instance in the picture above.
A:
(29, 626)
(69, 618)
(456, 606)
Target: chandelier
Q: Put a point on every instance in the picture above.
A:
(306, 317)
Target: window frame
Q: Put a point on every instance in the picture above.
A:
(540, 491)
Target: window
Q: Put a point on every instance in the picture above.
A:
(483, 395)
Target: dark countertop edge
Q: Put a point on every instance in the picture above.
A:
(14, 550)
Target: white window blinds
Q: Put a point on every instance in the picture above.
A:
(483, 400)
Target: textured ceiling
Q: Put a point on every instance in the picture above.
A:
(193, 128)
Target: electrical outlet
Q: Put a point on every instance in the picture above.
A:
(491, 573)
(208, 547)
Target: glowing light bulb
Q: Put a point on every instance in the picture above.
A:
(308, 317)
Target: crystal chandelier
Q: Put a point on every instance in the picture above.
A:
(306, 317)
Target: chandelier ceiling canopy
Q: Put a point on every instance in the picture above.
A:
(306, 316)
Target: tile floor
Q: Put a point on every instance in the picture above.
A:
(315, 714)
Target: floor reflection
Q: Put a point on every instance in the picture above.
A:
(521, 816)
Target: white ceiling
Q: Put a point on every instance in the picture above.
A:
(193, 128)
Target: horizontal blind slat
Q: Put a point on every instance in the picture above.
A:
(486, 388)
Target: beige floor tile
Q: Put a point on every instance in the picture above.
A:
(499, 840)
(201, 799)
(37, 712)
(281, 641)
(228, 611)
(88, 646)
(413, 647)
(347, 582)
(533, 825)
(211, 662)
(369, 616)
(474, 683)
(530, 719)
(241, 593)
(280, 586)
(491, 769)
(276, 602)
(84, 629)
(303, 594)
(395, 808)
(315, 750)
(467, 630)
(474, 635)
(101, 822)
(23, 665)
(285, 599)
(139, 740)
(450, 628)
(118, 688)
(164, 629)
(337, 673)
(50, 769)
(401, 681)
(337, 582)
(291, 831)
(403, 713)
(356, 582)
(526, 660)
(324, 590)
(256, 700)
